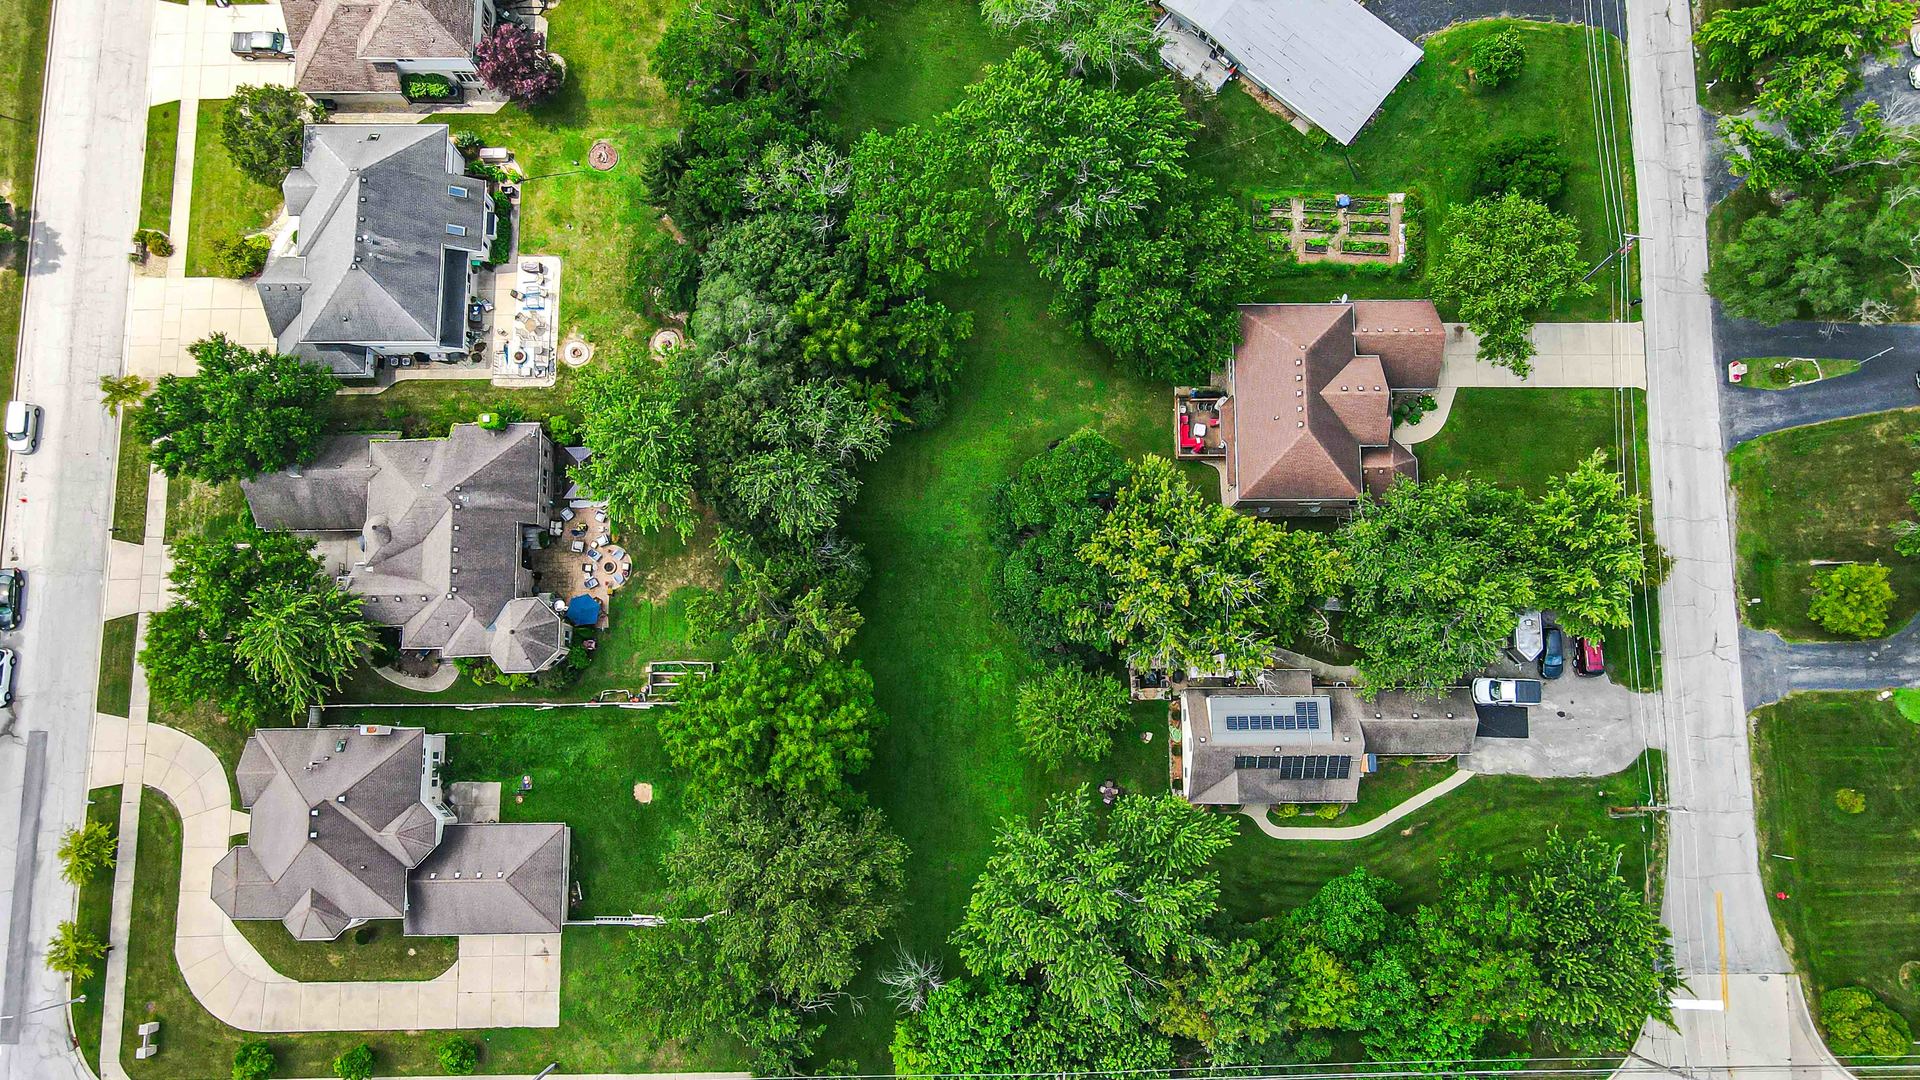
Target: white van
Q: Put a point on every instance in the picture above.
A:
(23, 427)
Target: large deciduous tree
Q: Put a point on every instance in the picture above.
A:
(248, 411)
(513, 59)
(1741, 42)
(1436, 574)
(1088, 915)
(1232, 1002)
(256, 628)
(1042, 587)
(989, 1026)
(1807, 137)
(264, 130)
(783, 598)
(1605, 958)
(1106, 36)
(641, 437)
(764, 721)
(1504, 260)
(1068, 714)
(1195, 585)
(774, 897)
(1588, 559)
(719, 49)
(1823, 257)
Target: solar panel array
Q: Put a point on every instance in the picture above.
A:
(1305, 717)
(1299, 767)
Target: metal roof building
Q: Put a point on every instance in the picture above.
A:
(1331, 61)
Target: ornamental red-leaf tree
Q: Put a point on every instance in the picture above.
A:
(514, 61)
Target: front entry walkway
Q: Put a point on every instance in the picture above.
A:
(498, 981)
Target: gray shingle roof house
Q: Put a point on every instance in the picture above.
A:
(1306, 419)
(1288, 741)
(389, 229)
(356, 50)
(1331, 61)
(436, 534)
(347, 824)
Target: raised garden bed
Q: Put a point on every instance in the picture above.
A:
(1371, 227)
(1325, 223)
(1317, 246)
(1365, 247)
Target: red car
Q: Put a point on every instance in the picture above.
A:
(1588, 659)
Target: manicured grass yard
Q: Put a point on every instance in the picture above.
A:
(376, 950)
(1425, 140)
(23, 62)
(598, 223)
(1827, 492)
(1785, 372)
(586, 1040)
(1496, 816)
(1852, 917)
(130, 489)
(194, 506)
(226, 202)
(426, 408)
(118, 639)
(95, 916)
(156, 184)
(1520, 437)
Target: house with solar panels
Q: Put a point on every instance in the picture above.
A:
(1289, 741)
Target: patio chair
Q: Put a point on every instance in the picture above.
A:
(593, 583)
(577, 546)
(566, 513)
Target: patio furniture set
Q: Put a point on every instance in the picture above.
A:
(525, 342)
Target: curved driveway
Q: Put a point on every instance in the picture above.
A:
(1891, 352)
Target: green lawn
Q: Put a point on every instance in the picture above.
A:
(426, 408)
(226, 202)
(1852, 913)
(1785, 372)
(1519, 437)
(375, 950)
(130, 490)
(1425, 140)
(156, 184)
(1496, 816)
(95, 916)
(1827, 492)
(118, 638)
(196, 1046)
(194, 506)
(23, 60)
(1396, 781)
(599, 224)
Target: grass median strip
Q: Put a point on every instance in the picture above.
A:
(118, 640)
(94, 915)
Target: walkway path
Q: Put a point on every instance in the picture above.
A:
(1567, 355)
(498, 981)
(1361, 831)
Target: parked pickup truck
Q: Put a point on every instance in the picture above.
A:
(1525, 692)
(261, 44)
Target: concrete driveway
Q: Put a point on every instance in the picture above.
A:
(192, 55)
(1582, 727)
(167, 315)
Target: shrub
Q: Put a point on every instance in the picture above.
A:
(514, 61)
(1858, 1025)
(1850, 801)
(1067, 713)
(263, 129)
(1287, 810)
(457, 1056)
(8, 235)
(502, 247)
(1852, 600)
(468, 143)
(73, 951)
(1410, 410)
(1497, 58)
(426, 86)
(241, 256)
(86, 850)
(253, 1061)
(1530, 165)
(155, 241)
(355, 1064)
(1328, 812)
(487, 170)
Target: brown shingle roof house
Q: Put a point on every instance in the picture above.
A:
(1305, 418)
(347, 824)
(357, 50)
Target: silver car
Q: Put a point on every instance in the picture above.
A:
(23, 427)
(7, 667)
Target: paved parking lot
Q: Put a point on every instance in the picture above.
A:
(1583, 727)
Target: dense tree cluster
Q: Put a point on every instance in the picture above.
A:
(256, 628)
(1042, 516)
(248, 411)
(1094, 180)
(762, 720)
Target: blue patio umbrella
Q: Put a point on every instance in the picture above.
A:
(583, 610)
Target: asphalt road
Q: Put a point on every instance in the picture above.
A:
(1892, 353)
(1776, 668)
(1713, 903)
(92, 134)
(1416, 19)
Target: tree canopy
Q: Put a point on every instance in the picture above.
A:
(990, 1026)
(641, 440)
(1504, 260)
(1807, 137)
(1042, 515)
(1825, 257)
(264, 130)
(248, 411)
(1195, 584)
(1852, 599)
(1085, 913)
(774, 896)
(256, 628)
(1742, 41)
(783, 598)
(1107, 36)
(1066, 713)
(514, 60)
(762, 720)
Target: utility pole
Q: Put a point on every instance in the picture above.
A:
(1632, 239)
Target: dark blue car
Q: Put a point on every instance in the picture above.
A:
(1553, 657)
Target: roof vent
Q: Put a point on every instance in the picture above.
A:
(311, 835)
(340, 798)
(313, 811)
(373, 136)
